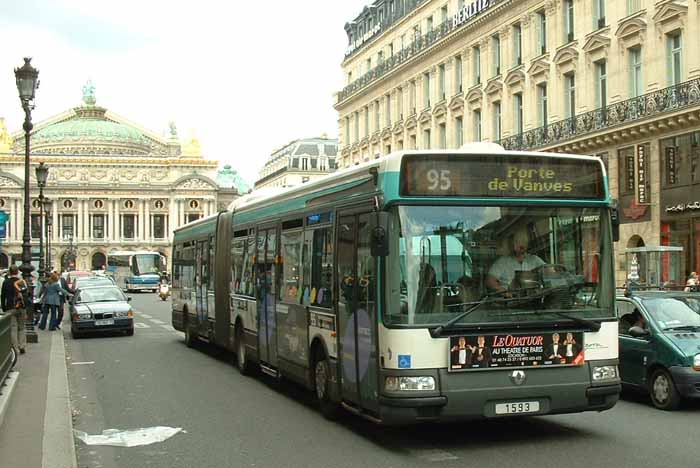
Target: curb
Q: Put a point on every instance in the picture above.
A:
(58, 446)
(6, 390)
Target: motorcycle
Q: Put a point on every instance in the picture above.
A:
(164, 291)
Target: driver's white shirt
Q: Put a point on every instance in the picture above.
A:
(504, 268)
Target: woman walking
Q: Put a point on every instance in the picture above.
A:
(51, 298)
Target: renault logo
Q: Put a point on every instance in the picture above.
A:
(518, 377)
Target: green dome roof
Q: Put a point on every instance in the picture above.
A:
(229, 178)
(78, 130)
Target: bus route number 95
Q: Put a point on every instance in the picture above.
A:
(439, 180)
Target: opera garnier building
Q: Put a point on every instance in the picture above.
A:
(113, 185)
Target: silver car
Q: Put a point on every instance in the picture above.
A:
(100, 309)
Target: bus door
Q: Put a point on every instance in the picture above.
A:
(202, 279)
(266, 293)
(357, 311)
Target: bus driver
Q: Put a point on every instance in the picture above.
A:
(503, 270)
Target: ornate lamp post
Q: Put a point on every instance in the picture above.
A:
(48, 205)
(27, 78)
(42, 173)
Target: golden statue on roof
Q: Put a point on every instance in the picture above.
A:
(191, 147)
(5, 140)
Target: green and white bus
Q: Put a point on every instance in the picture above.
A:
(374, 287)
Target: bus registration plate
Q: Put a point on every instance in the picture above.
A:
(518, 407)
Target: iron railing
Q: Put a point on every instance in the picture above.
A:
(420, 44)
(662, 101)
(6, 356)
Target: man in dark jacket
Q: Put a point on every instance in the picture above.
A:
(8, 298)
(64, 299)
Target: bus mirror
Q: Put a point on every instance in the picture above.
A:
(615, 219)
(380, 228)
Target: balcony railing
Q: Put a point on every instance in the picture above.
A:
(420, 44)
(665, 100)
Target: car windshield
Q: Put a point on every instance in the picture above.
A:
(524, 261)
(100, 295)
(673, 312)
(83, 282)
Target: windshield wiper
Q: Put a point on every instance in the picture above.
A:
(487, 299)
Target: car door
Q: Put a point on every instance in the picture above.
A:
(634, 351)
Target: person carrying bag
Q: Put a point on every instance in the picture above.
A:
(14, 302)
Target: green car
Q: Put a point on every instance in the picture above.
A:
(660, 345)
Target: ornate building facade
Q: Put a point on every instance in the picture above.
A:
(616, 79)
(114, 186)
(298, 162)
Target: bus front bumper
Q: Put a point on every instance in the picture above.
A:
(475, 395)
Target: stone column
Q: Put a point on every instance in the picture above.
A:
(181, 215)
(147, 219)
(55, 227)
(109, 221)
(117, 220)
(141, 223)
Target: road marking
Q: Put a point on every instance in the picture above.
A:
(141, 325)
(157, 322)
(168, 327)
(433, 455)
(84, 363)
(146, 315)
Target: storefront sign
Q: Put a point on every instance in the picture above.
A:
(361, 40)
(642, 195)
(682, 207)
(629, 166)
(469, 11)
(500, 351)
(671, 165)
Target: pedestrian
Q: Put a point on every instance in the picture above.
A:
(12, 302)
(64, 299)
(52, 300)
(693, 282)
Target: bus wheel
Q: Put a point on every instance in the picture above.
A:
(663, 391)
(242, 363)
(189, 339)
(322, 375)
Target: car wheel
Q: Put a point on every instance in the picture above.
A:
(663, 392)
(242, 363)
(322, 374)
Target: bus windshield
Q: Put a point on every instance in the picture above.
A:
(144, 264)
(524, 263)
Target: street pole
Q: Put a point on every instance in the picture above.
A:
(47, 229)
(27, 78)
(42, 174)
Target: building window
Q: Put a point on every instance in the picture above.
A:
(633, 6)
(568, 20)
(459, 132)
(477, 125)
(441, 81)
(99, 204)
(426, 90)
(542, 32)
(36, 204)
(426, 138)
(518, 102)
(601, 91)
(357, 127)
(67, 224)
(159, 226)
(497, 121)
(443, 14)
(496, 54)
(636, 85)
(194, 204)
(458, 74)
(36, 226)
(380, 57)
(476, 52)
(412, 142)
(675, 51)
(347, 130)
(517, 45)
(542, 104)
(68, 204)
(399, 102)
(98, 226)
(430, 24)
(387, 113)
(159, 204)
(598, 14)
(366, 121)
(129, 226)
(413, 97)
(570, 94)
(192, 217)
(304, 164)
(129, 204)
(442, 134)
(377, 115)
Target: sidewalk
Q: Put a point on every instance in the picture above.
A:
(37, 430)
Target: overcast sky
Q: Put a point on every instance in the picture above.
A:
(247, 77)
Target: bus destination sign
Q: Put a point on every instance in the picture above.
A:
(501, 176)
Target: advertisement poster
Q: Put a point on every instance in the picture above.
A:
(503, 351)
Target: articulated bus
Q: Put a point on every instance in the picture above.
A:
(423, 286)
(136, 270)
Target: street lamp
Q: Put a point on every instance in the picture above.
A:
(48, 205)
(42, 173)
(27, 78)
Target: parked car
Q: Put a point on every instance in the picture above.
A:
(72, 275)
(94, 280)
(660, 352)
(101, 309)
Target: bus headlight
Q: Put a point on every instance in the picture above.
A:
(402, 384)
(696, 362)
(600, 373)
